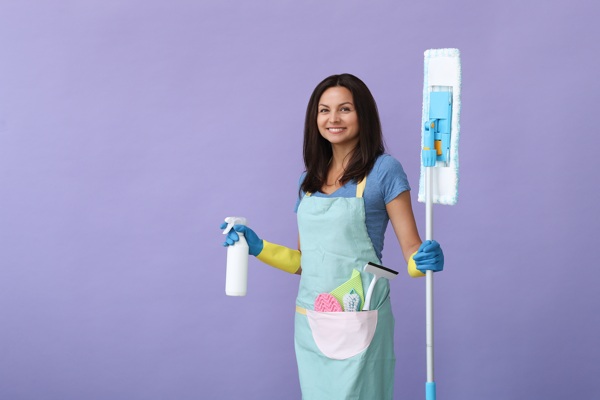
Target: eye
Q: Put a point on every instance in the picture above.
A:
(346, 109)
(323, 110)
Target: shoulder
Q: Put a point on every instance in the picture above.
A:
(386, 164)
(301, 193)
(302, 177)
(389, 177)
(300, 181)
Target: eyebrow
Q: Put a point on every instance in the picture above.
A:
(325, 105)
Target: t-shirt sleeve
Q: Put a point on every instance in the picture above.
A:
(298, 199)
(393, 178)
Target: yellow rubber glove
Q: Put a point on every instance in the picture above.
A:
(412, 267)
(280, 257)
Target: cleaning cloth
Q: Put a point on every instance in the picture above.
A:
(354, 283)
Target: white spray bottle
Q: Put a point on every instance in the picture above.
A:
(236, 277)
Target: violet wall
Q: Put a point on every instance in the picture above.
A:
(129, 129)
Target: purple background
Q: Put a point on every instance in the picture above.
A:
(129, 129)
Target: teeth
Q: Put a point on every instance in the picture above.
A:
(335, 130)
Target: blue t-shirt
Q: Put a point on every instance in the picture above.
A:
(385, 182)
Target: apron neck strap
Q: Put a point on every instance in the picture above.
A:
(360, 188)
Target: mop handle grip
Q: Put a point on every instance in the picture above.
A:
(429, 390)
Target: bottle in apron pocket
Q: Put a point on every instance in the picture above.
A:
(236, 276)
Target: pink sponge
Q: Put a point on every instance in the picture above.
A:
(325, 302)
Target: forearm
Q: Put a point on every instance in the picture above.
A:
(405, 228)
(280, 257)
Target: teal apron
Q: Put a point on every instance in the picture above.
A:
(341, 355)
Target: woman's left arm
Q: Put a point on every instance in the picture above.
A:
(403, 221)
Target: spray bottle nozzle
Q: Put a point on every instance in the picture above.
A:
(231, 221)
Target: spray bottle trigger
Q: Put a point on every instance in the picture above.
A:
(231, 221)
(229, 227)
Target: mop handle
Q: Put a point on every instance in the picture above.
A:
(430, 384)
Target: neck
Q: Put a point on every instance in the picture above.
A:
(337, 167)
(340, 157)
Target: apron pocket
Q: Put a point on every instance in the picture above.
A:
(341, 335)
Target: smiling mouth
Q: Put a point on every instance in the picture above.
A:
(336, 130)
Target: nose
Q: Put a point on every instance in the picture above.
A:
(334, 117)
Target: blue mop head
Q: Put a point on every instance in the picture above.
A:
(442, 73)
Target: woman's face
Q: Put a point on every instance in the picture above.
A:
(336, 117)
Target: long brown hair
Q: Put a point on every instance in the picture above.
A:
(317, 150)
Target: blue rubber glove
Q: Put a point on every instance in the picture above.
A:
(429, 257)
(255, 243)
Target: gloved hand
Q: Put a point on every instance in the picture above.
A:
(254, 242)
(275, 255)
(429, 257)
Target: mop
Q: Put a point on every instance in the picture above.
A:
(438, 182)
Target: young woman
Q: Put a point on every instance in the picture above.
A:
(347, 195)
